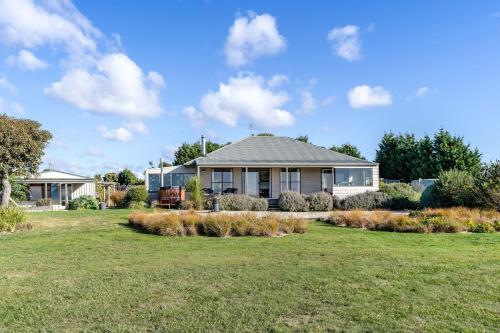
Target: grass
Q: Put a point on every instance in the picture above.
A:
(88, 271)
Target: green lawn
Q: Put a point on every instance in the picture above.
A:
(87, 271)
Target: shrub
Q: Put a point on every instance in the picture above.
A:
(43, 202)
(136, 194)
(240, 202)
(11, 218)
(488, 184)
(83, 202)
(367, 201)
(154, 204)
(320, 202)
(293, 202)
(117, 198)
(453, 188)
(402, 195)
(336, 202)
(137, 205)
(259, 204)
(208, 203)
(186, 205)
(196, 189)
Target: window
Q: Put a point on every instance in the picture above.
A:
(326, 180)
(222, 179)
(154, 183)
(180, 179)
(353, 177)
(293, 180)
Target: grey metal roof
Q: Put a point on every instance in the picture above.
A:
(274, 150)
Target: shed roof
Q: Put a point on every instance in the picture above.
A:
(274, 150)
(56, 176)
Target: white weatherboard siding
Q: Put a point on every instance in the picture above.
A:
(310, 180)
(83, 189)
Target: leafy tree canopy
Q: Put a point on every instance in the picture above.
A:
(189, 151)
(303, 138)
(110, 177)
(21, 150)
(348, 149)
(402, 156)
(165, 164)
(127, 177)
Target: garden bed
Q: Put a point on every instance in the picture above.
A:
(218, 225)
(448, 220)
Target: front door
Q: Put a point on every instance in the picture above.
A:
(259, 182)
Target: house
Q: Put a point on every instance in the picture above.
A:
(58, 186)
(265, 166)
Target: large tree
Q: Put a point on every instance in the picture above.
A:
(110, 177)
(396, 155)
(127, 177)
(403, 157)
(348, 149)
(189, 151)
(22, 142)
(450, 152)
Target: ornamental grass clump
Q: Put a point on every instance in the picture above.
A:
(426, 221)
(12, 218)
(216, 225)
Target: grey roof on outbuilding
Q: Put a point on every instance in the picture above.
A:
(275, 151)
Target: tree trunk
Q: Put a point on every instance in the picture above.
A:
(6, 191)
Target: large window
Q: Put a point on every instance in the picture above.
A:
(293, 181)
(153, 182)
(353, 177)
(222, 179)
(178, 179)
(326, 180)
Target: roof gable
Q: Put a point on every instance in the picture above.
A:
(54, 174)
(274, 150)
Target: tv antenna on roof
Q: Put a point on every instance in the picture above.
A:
(250, 128)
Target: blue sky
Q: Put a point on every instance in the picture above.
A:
(122, 83)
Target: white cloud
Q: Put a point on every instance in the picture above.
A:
(308, 102)
(136, 127)
(4, 83)
(366, 96)
(117, 86)
(22, 22)
(252, 37)
(277, 81)
(423, 91)
(346, 42)
(117, 134)
(13, 108)
(17, 108)
(195, 118)
(247, 97)
(94, 152)
(26, 60)
(168, 152)
(94, 79)
(328, 101)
